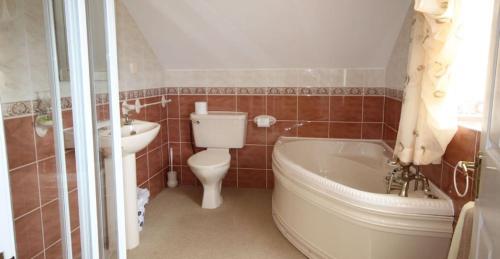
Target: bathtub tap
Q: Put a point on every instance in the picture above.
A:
(401, 177)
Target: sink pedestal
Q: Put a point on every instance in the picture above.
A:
(130, 189)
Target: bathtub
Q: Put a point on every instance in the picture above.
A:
(329, 201)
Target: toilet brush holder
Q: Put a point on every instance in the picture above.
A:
(172, 179)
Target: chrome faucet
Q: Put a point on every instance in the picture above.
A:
(401, 177)
(126, 108)
(127, 120)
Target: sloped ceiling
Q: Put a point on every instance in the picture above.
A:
(222, 34)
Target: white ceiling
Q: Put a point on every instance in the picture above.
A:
(222, 34)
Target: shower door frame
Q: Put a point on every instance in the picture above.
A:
(78, 57)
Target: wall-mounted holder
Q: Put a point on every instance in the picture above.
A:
(137, 106)
(264, 121)
(42, 124)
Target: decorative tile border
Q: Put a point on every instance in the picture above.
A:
(394, 93)
(251, 91)
(308, 91)
(374, 91)
(221, 91)
(25, 108)
(282, 91)
(17, 109)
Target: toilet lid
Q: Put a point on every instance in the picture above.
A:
(210, 158)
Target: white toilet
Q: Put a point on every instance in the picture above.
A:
(218, 132)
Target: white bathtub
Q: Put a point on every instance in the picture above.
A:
(329, 200)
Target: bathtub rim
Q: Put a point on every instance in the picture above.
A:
(369, 201)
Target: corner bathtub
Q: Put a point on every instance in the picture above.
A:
(329, 201)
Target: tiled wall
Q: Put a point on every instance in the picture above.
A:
(463, 147)
(32, 172)
(335, 112)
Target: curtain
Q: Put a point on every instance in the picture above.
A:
(429, 111)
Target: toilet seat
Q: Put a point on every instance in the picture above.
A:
(210, 159)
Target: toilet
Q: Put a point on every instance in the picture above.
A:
(218, 132)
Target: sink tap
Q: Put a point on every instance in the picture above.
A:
(127, 120)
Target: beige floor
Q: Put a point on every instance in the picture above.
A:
(177, 227)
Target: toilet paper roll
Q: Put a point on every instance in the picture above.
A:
(263, 122)
(200, 107)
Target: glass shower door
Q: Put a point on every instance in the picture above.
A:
(59, 95)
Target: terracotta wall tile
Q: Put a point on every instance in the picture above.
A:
(373, 109)
(24, 188)
(252, 156)
(173, 130)
(176, 149)
(186, 131)
(156, 184)
(433, 173)
(221, 103)
(71, 172)
(270, 179)
(188, 177)
(269, 157)
(462, 146)
(45, 145)
(282, 107)
(103, 112)
(346, 108)
(155, 161)
(187, 104)
(142, 169)
(75, 243)
(254, 105)
(345, 130)
(313, 108)
(314, 130)
(186, 152)
(29, 236)
(19, 134)
(372, 130)
(74, 216)
(173, 106)
(234, 158)
(164, 131)
(389, 136)
(47, 174)
(153, 113)
(67, 119)
(51, 223)
(55, 251)
(252, 178)
(280, 129)
(392, 112)
(255, 135)
(231, 178)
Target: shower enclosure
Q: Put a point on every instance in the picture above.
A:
(59, 95)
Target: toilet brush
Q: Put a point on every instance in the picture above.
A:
(172, 175)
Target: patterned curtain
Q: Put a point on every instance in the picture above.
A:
(429, 113)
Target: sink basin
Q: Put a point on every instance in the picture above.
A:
(134, 137)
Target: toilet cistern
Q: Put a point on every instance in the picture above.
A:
(218, 132)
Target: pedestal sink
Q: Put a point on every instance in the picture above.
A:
(135, 137)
